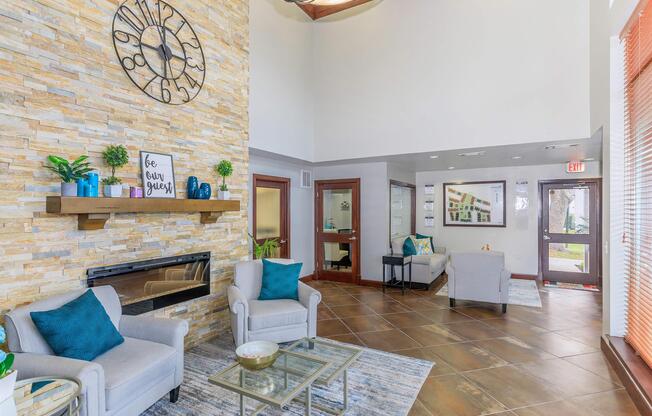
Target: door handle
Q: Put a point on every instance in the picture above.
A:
(546, 237)
(283, 241)
(353, 238)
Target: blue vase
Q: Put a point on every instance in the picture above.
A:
(193, 187)
(94, 182)
(80, 186)
(205, 191)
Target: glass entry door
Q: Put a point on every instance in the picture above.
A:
(337, 233)
(271, 212)
(570, 235)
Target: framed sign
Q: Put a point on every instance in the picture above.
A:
(158, 175)
(475, 204)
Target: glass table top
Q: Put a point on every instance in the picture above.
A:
(290, 374)
(341, 357)
(44, 396)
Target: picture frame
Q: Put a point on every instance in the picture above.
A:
(157, 170)
(475, 204)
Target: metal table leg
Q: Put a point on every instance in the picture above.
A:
(242, 397)
(308, 401)
(384, 267)
(345, 387)
(403, 280)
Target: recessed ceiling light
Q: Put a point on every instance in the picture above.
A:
(589, 159)
(469, 154)
(434, 157)
(517, 157)
(451, 167)
(561, 146)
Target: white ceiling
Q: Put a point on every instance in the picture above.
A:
(493, 156)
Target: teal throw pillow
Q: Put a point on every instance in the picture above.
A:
(423, 237)
(280, 281)
(80, 329)
(408, 247)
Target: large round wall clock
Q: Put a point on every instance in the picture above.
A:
(159, 50)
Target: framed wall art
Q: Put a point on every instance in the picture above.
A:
(158, 175)
(475, 204)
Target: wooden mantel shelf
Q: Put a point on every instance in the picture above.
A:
(94, 212)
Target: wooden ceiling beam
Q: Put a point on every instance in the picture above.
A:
(317, 12)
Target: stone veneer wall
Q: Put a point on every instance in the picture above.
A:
(62, 91)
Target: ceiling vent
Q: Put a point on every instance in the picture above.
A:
(306, 179)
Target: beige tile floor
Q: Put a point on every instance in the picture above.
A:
(528, 362)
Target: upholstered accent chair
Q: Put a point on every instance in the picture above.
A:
(280, 320)
(478, 276)
(125, 380)
(425, 269)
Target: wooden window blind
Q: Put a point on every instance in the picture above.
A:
(638, 180)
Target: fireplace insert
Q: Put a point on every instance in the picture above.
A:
(144, 286)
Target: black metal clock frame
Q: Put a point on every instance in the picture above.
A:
(133, 21)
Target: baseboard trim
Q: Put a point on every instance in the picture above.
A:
(308, 278)
(524, 276)
(632, 371)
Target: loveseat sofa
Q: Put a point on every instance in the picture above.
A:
(425, 269)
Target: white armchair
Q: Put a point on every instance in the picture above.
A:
(269, 320)
(478, 276)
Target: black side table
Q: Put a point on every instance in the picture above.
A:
(393, 260)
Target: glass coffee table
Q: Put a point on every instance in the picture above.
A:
(298, 367)
(291, 375)
(341, 358)
(47, 396)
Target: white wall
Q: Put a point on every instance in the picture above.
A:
(519, 241)
(301, 207)
(374, 211)
(281, 74)
(450, 74)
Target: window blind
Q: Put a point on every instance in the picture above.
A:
(638, 180)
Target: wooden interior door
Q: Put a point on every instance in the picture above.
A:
(569, 231)
(337, 230)
(271, 211)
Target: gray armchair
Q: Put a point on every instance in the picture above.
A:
(479, 276)
(269, 320)
(124, 381)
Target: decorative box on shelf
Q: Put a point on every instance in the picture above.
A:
(94, 212)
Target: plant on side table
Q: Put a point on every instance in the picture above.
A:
(69, 172)
(116, 157)
(265, 250)
(7, 375)
(224, 169)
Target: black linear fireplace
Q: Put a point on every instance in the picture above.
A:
(144, 286)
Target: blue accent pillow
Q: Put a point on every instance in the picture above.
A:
(80, 329)
(422, 237)
(408, 247)
(280, 281)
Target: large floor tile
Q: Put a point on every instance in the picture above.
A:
(596, 363)
(456, 396)
(338, 300)
(466, 356)
(443, 316)
(407, 319)
(331, 327)
(324, 312)
(513, 350)
(348, 338)
(514, 387)
(429, 335)
(610, 403)
(345, 311)
(367, 323)
(560, 408)
(440, 367)
(474, 330)
(391, 340)
(384, 307)
(569, 378)
(558, 345)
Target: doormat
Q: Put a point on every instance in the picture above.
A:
(574, 286)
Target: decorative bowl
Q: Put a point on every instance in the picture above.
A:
(257, 355)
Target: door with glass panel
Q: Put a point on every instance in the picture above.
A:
(337, 230)
(271, 212)
(569, 231)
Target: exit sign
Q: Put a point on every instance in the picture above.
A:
(575, 166)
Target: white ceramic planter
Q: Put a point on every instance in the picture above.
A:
(113, 191)
(223, 195)
(7, 384)
(68, 189)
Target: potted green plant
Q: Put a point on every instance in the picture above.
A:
(7, 375)
(69, 172)
(116, 157)
(224, 169)
(265, 250)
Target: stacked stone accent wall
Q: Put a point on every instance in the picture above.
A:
(63, 92)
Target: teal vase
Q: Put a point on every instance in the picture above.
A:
(193, 187)
(205, 191)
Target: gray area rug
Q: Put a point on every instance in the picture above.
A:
(521, 292)
(380, 383)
